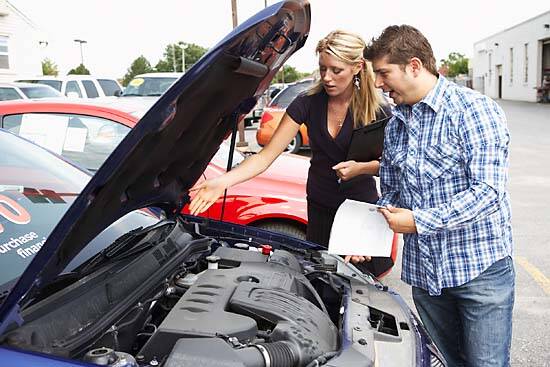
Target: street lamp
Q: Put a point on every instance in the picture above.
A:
(183, 46)
(81, 54)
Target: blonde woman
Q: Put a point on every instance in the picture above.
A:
(343, 99)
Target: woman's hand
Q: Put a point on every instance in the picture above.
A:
(207, 193)
(346, 170)
(350, 169)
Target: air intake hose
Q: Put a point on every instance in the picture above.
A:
(277, 354)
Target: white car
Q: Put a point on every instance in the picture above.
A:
(11, 91)
(80, 86)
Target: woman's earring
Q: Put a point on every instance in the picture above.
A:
(356, 82)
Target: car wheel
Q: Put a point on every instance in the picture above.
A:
(295, 145)
(284, 228)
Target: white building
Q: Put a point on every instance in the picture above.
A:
(20, 52)
(511, 64)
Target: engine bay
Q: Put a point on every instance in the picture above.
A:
(212, 299)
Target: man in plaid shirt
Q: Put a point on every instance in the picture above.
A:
(443, 177)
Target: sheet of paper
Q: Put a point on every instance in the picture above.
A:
(75, 140)
(359, 229)
(45, 130)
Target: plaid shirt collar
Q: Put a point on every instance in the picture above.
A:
(434, 99)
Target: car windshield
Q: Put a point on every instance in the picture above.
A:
(36, 189)
(287, 95)
(55, 84)
(40, 92)
(148, 86)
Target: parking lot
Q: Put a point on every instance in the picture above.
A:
(529, 187)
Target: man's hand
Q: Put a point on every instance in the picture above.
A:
(400, 220)
(347, 170)
(355, 259)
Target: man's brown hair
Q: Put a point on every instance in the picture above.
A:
(400, 43)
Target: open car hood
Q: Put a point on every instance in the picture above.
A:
(166, 153)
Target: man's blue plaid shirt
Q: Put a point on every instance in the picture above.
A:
(446, 159)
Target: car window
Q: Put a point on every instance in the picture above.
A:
(8, 94)
(40, 92)
(148, 86)
(91, 90)
(36, 189)
(72, 86)
(55, 84)
(287, 95)
(109, 86)
(86, 140)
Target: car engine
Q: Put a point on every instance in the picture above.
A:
(249, 307)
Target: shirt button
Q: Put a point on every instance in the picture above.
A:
(413, 152)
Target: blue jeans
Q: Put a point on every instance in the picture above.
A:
(472, 324)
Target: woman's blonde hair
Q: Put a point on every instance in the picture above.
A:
(348, 47)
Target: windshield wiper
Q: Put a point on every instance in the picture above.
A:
(131, 94)
(123, 247)
(153, 94)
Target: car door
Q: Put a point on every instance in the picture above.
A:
(83, 139)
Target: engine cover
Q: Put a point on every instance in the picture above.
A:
(272, 295)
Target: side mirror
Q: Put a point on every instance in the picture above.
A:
(73, 95)
(117, 93)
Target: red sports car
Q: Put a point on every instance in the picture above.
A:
(87, 134)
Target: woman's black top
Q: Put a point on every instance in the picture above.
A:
(322, 184)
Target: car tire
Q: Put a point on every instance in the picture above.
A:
(284, 228)
(295, 145)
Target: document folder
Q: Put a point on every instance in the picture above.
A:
(367, 142)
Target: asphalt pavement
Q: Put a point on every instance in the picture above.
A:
(529, 187)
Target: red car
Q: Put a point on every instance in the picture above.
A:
(87, 134)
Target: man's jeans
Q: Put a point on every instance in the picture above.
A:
(472, 324)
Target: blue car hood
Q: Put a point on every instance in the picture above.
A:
(166, 153)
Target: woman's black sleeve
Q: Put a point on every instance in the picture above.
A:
(298, 110)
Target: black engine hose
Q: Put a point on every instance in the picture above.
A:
(280, 354)
(277, 354)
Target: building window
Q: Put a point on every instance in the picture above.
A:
(4, 56)
(526, 63)
(511, 65)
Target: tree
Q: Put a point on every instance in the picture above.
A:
(139, 66)
(79, 70)
(456, 64)
(49, 67)
(290, 75)
(193, 53)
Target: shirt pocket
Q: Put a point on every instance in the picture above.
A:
(440, 160)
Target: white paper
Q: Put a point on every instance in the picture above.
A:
(75, 140)
(359, 229)
(45, 130)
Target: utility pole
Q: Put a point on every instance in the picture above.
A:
(174, 57)
(240, 128)
(183, 46)
(81, 54)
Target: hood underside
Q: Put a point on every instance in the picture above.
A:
(165, 154)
